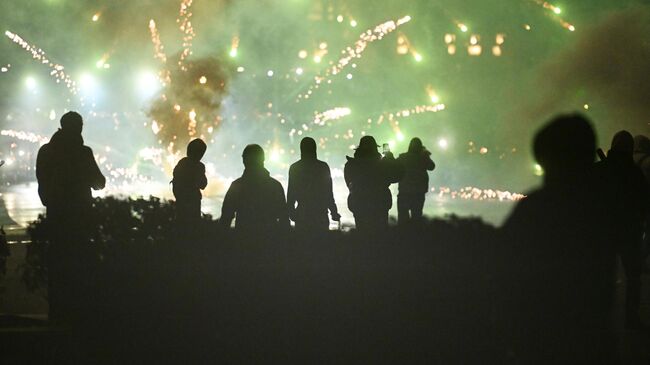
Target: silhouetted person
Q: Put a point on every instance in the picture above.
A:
(66, 172)
(559, 261)
(627, 194)
(415, 183)
(368, 177)
(642, 159)
(310, 187)
(255, 200)
(189, 180)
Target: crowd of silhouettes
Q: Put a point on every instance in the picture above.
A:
(563, 239)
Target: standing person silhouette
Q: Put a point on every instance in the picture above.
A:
(66, 172)
(628, 199)
(415, 183)
(560, 262)
(368, 176)
(255, 200)
(642, 159)
(310, 187)
(189, 180)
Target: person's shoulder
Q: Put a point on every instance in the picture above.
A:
(87, 150)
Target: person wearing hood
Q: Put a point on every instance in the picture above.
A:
(255, 200)
(415, 183)
(368, 176)
(66, 171)
(627, 201)
(189, 180)
(310, 187)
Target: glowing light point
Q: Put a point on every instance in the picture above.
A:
(269, 73)
(353, 23)
(348, 76)
(299, 71)
(435, 99)
(233, 52)
(302, 54)
(443, 143)
(400, 136)
(586, 106)
(463, 28)
(557, 10)
(538, 170)
(317, 59)
(240, 69)
(527, 27)
(203, 80)
(96, 17)
(339, 18)
(417, 57)
(31, 83)
(322, 45)
(572, 28)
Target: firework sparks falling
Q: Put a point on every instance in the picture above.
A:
(185, 25)
(159, 53)
(25, 136)
(57, 71)
(332, 114)
(473, 193)
(356, 51)
(556, 11)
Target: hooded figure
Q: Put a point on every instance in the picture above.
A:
(255, 200)
(310, 187)
(559, 268)
(189, 179)
(66, 170)
(415, 183)
(627, 198)
(368, 177)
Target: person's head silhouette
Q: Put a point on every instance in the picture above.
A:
(196, 149)
(253, 156)
(72, 122)
(565, 147)
(623, 144)
(308, 148)
(641, 144)
(415, 145)
(367, 147)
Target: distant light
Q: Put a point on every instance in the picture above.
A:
(572, 28)
(483, 150)
(339, 18)
(203, 80)
(500, 39)
(96, 17)
(299, 71)
(269, 73)
(317, 59)
(473, 40)
(52, 114)
(348, 76)
(538, 170)
(30, 82)
(240, 69)
(400, 136)
(322, 45)
(586, 106)
(496, 51)
(353, 23)
(451, 49)
(557, 10)
(275, 155)
(527, 27)
(233, 52)
(443, 143)
(475, 50)
(463, 28)
(147, 83)
(435, 99)
(302, 54)
(450, 38)
(417, 56)
(87, 82)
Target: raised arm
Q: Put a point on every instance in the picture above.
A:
(96, 179)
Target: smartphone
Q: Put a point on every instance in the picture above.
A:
(386, 147)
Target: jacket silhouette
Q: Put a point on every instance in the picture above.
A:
(368, 176)
(627, 195)
(310, 187)
(66, 170)
(415, 183)
(189, 180)
(559, 265)
(255, 200)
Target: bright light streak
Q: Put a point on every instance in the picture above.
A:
(332, 114)
(96, 17)
(443, 143)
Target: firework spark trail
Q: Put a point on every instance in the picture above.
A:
(38, 54)
(556, 11)
(356, 51)
(185, 25)
(332, 114)
(159, 53)
(25, 136)
(473, 193)
(406, 113)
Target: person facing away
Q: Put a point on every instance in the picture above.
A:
(559, 265)
(642, 155)
(189, 179)
(255, 200)
(310, 187)
(628, 199)
(368, 176)
(415, 183)
(66, 170)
